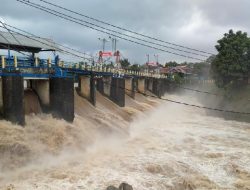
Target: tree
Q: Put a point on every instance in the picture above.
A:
(125, 63)
(201, 69)
(135, 67)
(171, 64)
(232, 63)
(110, 65)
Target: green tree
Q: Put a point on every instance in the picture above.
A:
(125, 63)
(135, 67)
(110, 65)
(171, 64)
(201, 69)
(232, 63)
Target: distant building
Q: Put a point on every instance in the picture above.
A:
(178, 69)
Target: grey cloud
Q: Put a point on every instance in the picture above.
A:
(171, 20)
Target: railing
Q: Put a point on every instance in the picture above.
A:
(48, 66)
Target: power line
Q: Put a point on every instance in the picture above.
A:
(67, 52)
(183, 103)
(120, 33)
(69, 48)
(173, 101)
(45, 9)
(186, 88)
(35, 5)
(204, 107)
(13, 36)
(178, 86)
(196, 90)
(106, 23)
(8, 47)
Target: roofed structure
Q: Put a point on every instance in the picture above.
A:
(26, 43)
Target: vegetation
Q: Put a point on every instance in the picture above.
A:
(232, 63)
(203, 69)
(171, 64)
(125, 63)
(135, 67)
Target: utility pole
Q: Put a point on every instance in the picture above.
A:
(114, 43)
(104, 41)
(157, 58)
(157, 62)
(147, 58)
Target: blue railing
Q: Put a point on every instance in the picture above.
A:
(45, 68)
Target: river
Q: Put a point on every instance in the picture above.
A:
(168, 146)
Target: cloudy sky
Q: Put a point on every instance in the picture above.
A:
(194, 23)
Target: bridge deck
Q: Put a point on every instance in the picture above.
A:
(46, 68)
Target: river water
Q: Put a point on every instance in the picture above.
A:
(168, 146)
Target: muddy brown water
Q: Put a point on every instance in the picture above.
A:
(151, 145)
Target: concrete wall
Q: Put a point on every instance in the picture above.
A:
(62, 98)
(13, 102)
(107, 85)
(87, 88)
(130, 87)
(141, 85)
(99, 85)
(165, 84)
(84, 84)
(150, 84)
(1, 97)
(157, 88)
(117, 91)
(41, 87)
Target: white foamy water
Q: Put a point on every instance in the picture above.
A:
(170, 147)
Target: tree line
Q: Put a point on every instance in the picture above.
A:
(229, 67)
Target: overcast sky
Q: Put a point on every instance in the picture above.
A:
(193, 23)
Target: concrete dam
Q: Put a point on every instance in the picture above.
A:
(54, 84)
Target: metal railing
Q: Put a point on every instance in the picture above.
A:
(62, 68)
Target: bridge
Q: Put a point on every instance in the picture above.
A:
(54, 81)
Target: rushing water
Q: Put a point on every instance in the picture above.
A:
(169, 147)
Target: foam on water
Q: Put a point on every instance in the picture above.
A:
(169, 147)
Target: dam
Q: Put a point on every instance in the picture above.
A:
(88, 126)
(54, 81)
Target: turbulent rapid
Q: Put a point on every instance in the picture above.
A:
(152, 145)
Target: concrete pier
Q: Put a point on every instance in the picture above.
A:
(165, 86)
(100, 85)
(157, 87)
(117, 92)
(107, 80)
(12, 94)
(150, 84)
(87, 88)
(130, 86)
(62, 98)
(41, 87)
(141, 85)
(1, 97)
